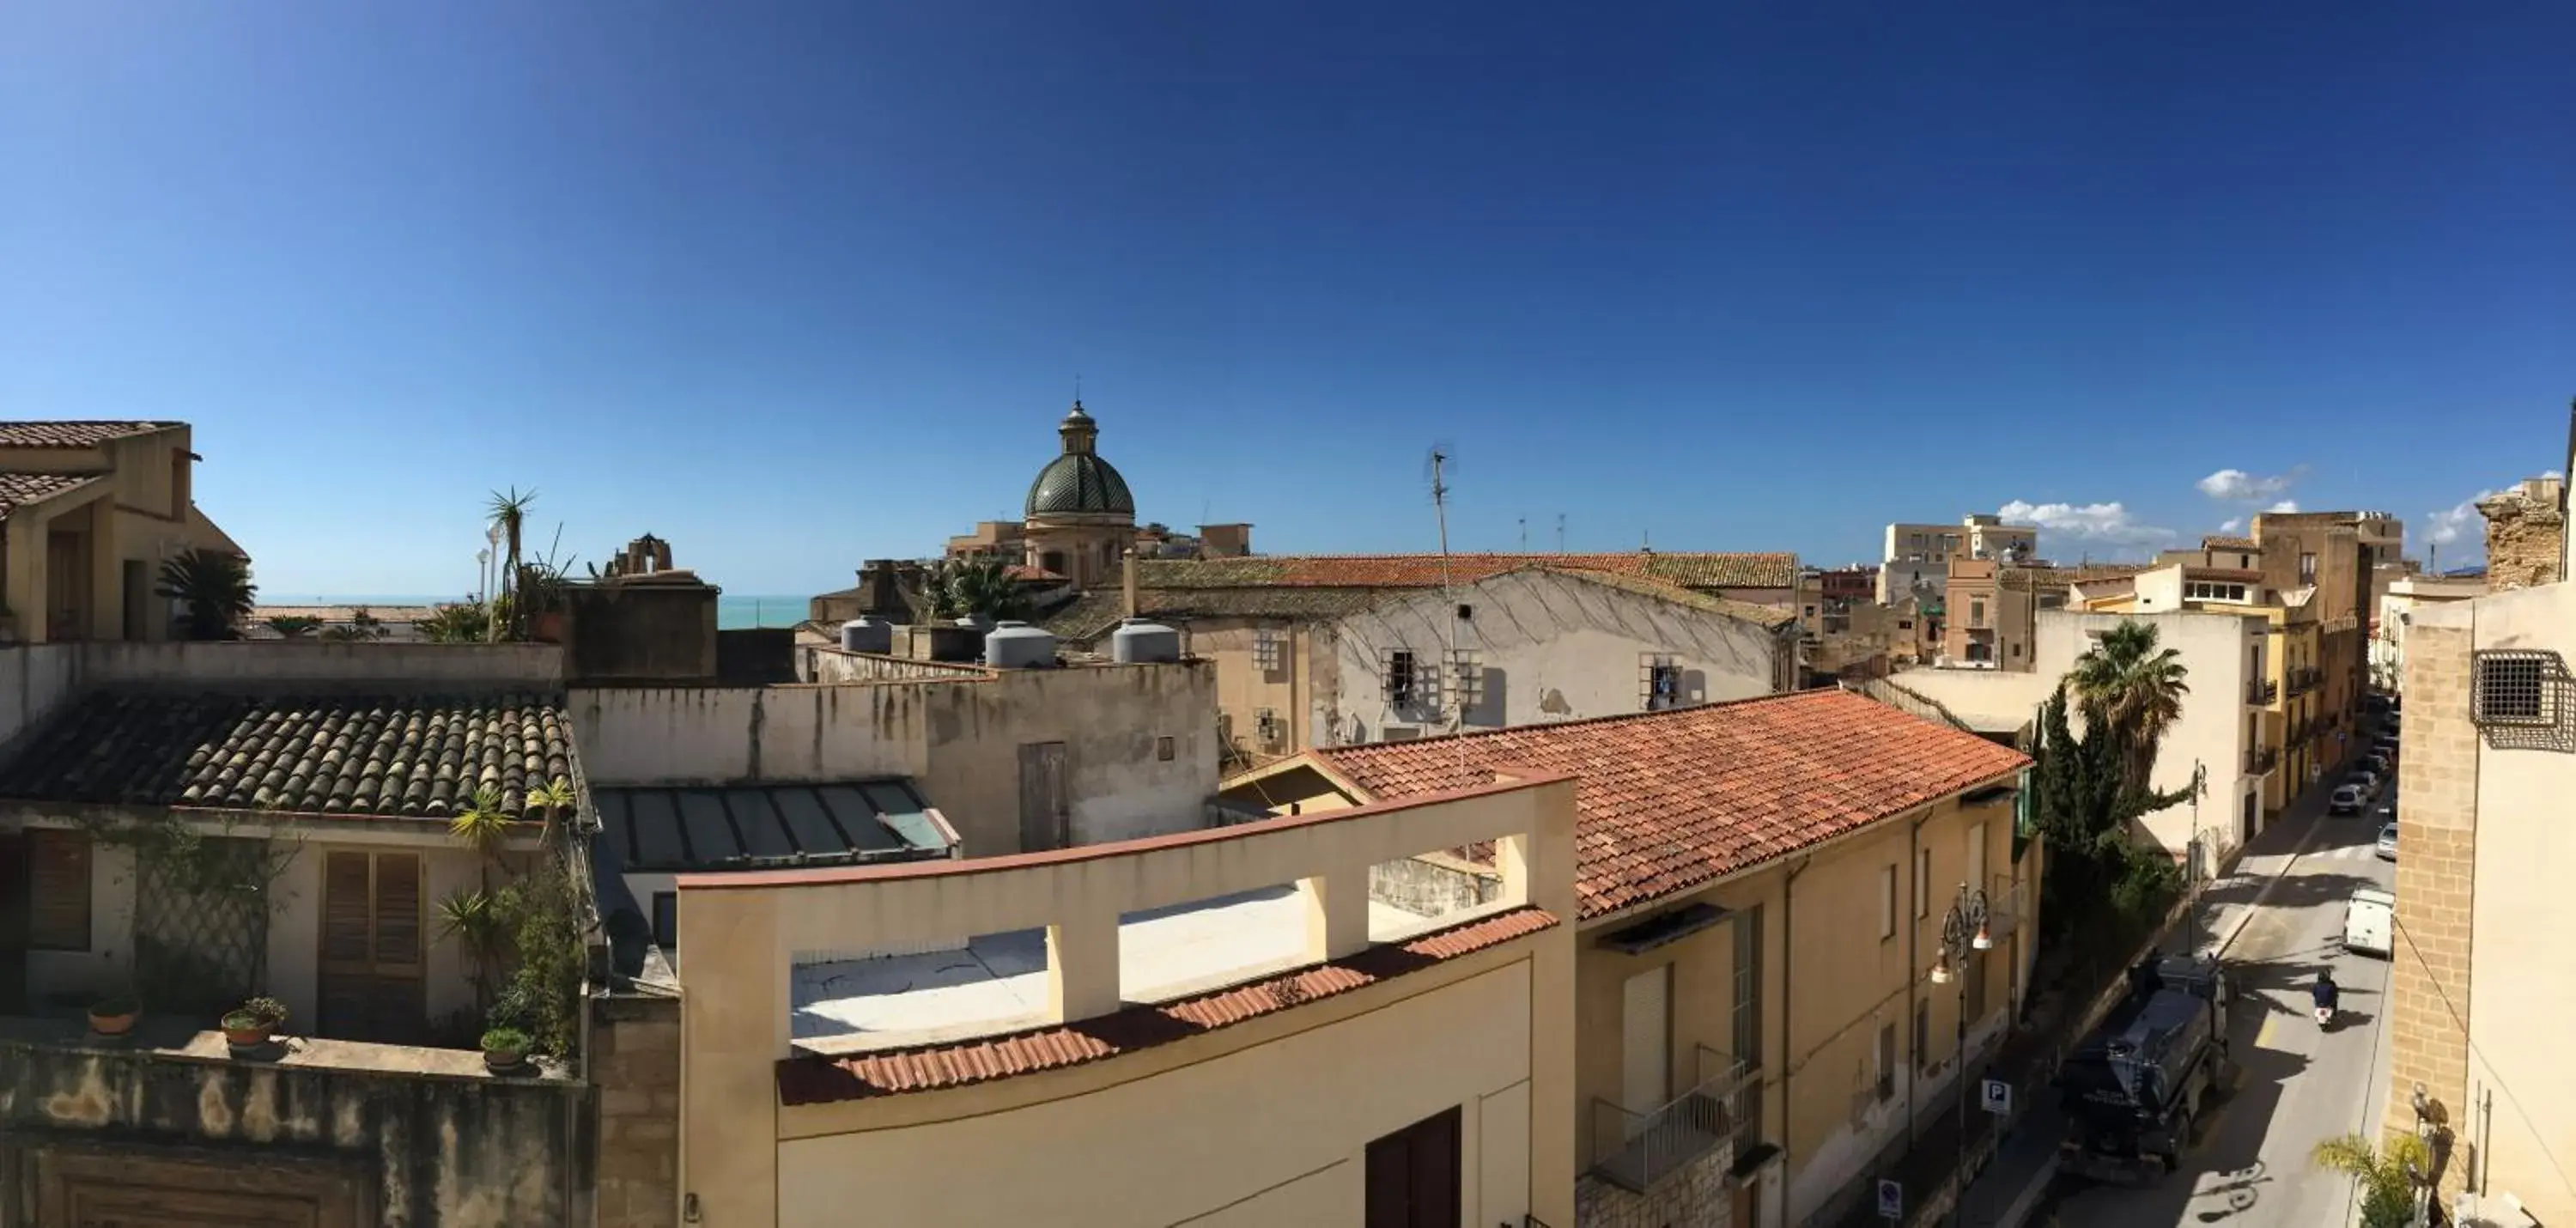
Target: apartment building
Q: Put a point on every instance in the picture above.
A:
(1993, 613)
(1976, 536)
(88, 513)
(2481, 989)
(1214, 1027)
(1756, 1013)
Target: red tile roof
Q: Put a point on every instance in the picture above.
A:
(823, 1080)
(1670, 801)
(2215, 542)
(73, 434)
(20, 489)
(1425, 570)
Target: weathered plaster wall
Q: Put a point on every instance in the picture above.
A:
(33, 678)
(430, 1152)
(960, 740)
(635, 1060)
(1555, 647)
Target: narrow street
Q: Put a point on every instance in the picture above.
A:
(2249, 1164)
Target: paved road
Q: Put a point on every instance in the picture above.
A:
(2249, 1166)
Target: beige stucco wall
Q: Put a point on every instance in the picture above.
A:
(1556, 647)
(2496, 935)
(960, 740)
(1072, 1136)
(1244, 689)
(1272, 1133)
(2221, 652)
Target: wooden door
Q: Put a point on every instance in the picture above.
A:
(372, 951)
(66, 586)
(1046, 810)
(15, 892)
(1413, 1177)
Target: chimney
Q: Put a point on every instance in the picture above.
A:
(1131, 582)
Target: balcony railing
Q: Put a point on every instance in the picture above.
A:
(2261, 691)
(2260, 760)
(2306, 678)
(1634, 1151)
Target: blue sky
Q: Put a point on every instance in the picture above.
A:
(795, 285)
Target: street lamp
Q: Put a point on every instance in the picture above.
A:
(1963, 930)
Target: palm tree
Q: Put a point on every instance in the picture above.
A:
(483, 827)
(508, 512)
(557, 800)
(983, 586)
(215, 586)
(2388, 1174)
(2130, 690)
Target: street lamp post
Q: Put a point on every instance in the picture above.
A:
(1963, 933)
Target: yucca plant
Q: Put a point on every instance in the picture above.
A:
(556, 800)
(473, 917)
(214, 586)
(484, 827)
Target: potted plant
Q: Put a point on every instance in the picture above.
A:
(249, 1025)
(114, 1014)
(504, 1049)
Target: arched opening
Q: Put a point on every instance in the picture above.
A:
(1052, 560)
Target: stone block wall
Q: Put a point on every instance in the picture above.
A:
(2526, 535)
(635, 1060)
(2428, 984)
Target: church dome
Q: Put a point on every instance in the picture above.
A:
(1079, 482)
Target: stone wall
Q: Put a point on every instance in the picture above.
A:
(368, 1134)
(635, 1059)
(2428, 984)
(1433, 885)
(1701, 1195)
(2526, 535)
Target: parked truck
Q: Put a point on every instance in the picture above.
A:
(2132, 1089)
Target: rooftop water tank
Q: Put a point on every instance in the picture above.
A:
(1138, 642)
(865, 634)
(1016, 645)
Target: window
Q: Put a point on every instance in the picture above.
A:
(1163, 749)
(1977, 613)
(1466, 678)
(1268, 649)
(1396, 672)
(1413, 1176)
(2516, 687)
(58, 885)
(1887, 902)
(1052, 560)
(1923, 884)
(2016, 652)
(1905, 624)
(2307, 569)
(1886, 1061)
(1268, 729)
(1659, 682)
(666, 920)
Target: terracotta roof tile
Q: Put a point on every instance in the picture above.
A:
(389, 756)
(2214, 542)
(823, 1080)
(73, 434)
(1425, 570)
(1668, 801)
(19, 489)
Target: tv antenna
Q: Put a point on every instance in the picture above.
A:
(1439, 466)
(1560, 532)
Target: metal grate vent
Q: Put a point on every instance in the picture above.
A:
(2519, 699)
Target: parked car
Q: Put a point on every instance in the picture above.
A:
(2363, 779)
(2346, 800)
(2388, 843)
(2378, 762)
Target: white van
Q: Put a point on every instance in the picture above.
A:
(2370, 922)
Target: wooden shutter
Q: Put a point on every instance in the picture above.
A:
(372, 950)
(58, 886)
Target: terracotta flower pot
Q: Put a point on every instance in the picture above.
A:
(248, 1038)
(503, 1061)
(548, 627)
(113, 1025)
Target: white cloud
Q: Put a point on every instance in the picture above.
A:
(2284, 507)
(2447, 526)
(2238, 486)
(2232, 525)
(2101, 522)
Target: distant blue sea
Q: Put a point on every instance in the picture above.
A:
(732, 613)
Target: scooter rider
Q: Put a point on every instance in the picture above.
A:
(2325, 993)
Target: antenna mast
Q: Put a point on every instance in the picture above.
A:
(1560, 532)
(1450, 670)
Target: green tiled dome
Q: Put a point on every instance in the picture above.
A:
(1079, 482)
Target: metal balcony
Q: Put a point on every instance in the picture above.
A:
(1634, 1150)
(2306, 678)
(2261, 691)
(2261, 759)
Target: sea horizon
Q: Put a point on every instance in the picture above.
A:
(732, 613)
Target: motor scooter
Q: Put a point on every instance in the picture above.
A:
(2325, 1016)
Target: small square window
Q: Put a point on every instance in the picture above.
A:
(2517, 687)
(1163, 749)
